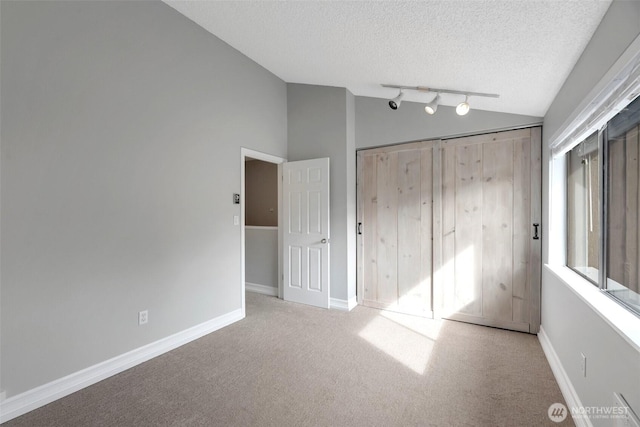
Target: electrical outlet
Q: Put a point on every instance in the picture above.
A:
(143, 317)
(583, 364)
(3, 396)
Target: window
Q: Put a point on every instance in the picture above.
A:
(623, 225)
(603, 227)
(583, 208)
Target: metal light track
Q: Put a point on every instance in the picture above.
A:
(434, 90)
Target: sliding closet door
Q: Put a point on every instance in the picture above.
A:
(395, 194)
(452, 227)
(490, 259)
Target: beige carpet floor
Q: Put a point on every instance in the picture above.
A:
(291, 365)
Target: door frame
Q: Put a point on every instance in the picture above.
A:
(258, 155)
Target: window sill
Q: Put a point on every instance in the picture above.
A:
(622, 320)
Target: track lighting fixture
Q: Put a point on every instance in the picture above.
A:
(395, 102)
(432, 106)
(463, 108)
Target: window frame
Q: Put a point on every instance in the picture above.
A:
(610, 94)
(603, 182)
(603, 155)
(567, 214)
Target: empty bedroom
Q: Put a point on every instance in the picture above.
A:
(320, 213)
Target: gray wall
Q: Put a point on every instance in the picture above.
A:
(261, 256)
(320, 126)
(261, 193)
(377, 124)
(572, 325)
(118, 164)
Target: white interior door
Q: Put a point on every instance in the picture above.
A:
(305, 191)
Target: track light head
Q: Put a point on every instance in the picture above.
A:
(463, 108)
(432, 106)
(395, 102)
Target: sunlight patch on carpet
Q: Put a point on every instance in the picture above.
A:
(407, 339)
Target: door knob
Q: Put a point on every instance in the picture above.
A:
(323, 241)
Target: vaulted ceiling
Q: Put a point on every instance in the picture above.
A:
(522, 50)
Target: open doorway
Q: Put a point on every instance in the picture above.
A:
(261, 226)
(260, 218)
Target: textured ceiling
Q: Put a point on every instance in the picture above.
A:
(520, 49)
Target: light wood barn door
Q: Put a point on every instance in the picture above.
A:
(395, 225)
(490, 260)
(447, 228)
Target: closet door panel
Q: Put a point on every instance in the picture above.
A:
(395, 198)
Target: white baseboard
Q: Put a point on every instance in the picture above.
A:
(261, 289)
(334, 303)
(32, 399)
(566, 387)
(343, 305)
